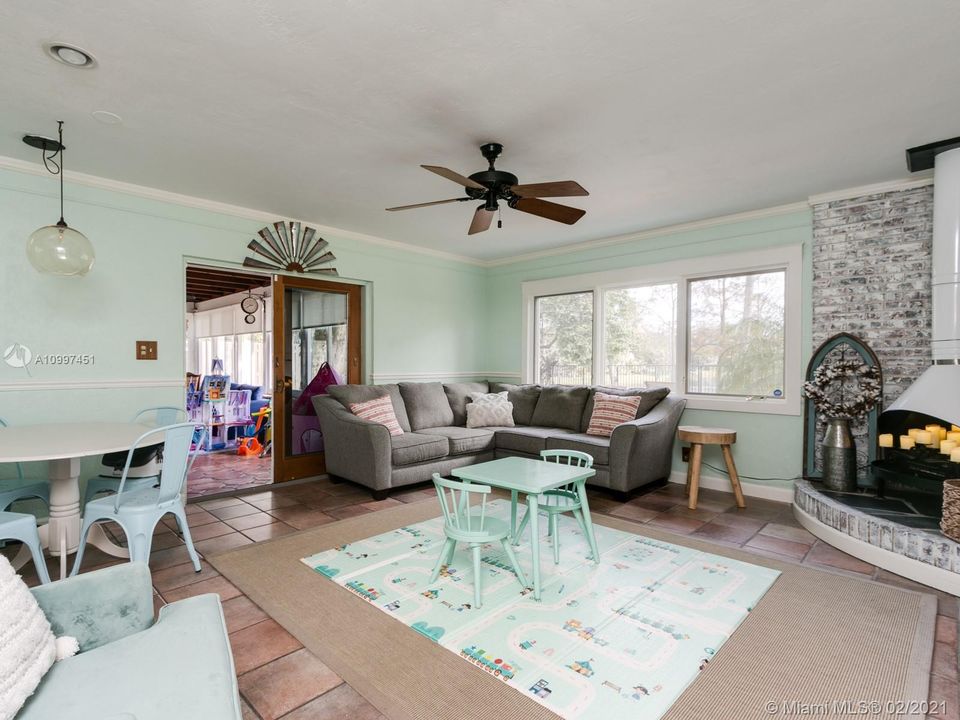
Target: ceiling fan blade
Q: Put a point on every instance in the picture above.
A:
(426, 204)
(562, 188)
(550, 211)
(456, 177)
(481, 221)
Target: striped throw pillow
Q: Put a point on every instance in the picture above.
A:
(378, 410)
(610, 411)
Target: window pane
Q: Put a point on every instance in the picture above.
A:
(736, 335)
(564, 339)
(640, 335)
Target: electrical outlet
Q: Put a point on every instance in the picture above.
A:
(685, 454)
(146, 349)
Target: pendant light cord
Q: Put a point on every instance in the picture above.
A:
(60, 170)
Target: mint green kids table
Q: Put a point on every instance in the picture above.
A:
(533, 477)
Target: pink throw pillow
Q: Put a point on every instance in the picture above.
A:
(610, 411)
(378, 410)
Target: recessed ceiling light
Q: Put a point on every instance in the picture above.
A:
(107, 117)
(70, 55)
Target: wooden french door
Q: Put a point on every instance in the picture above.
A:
(314, 322)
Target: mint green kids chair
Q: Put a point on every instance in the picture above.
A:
(565, 499)
(25, 491)
(22, 527)
(465, 524)
(139, 511)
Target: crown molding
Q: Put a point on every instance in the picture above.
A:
(172, 198)
(654, 232)
(919, 180)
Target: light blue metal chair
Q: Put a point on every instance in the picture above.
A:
(137, 512)
(39, 489)
(138, 478)
(462, 523)
(562, 500)
(22, 527)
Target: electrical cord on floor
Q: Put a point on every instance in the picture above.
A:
(750, 477)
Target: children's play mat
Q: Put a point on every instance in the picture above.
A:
(618, 639)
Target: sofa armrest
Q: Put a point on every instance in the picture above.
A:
(641, 451)
(356, 449)
(101, 606)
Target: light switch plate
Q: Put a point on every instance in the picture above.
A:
(146, 349)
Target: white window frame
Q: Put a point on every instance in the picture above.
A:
(788, 258)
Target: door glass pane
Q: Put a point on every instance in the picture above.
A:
(640, 335)
(564, 339)
(735, 338)
(315, 334)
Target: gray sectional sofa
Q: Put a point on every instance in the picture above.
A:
(436, 439)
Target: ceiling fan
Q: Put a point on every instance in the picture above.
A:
(492, 185)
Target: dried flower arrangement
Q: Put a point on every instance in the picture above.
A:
(832, 392)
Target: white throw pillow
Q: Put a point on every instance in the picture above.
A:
(27, 645)
(489, 398)
(489, 414)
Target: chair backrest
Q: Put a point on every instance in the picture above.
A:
(3, 423)
(176, 441)
(455, 503)
(160, 416)
(568, 457)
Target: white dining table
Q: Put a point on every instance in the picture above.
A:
(63, 446)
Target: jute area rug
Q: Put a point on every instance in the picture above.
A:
(818, 643)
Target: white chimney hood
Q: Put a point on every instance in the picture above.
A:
(937, 391)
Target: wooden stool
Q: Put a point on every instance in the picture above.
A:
(698, 437)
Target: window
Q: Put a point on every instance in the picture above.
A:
(735, 334)
(723, 331)
(564, 339)
(640, 335)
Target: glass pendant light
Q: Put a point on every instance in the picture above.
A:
(57, 249)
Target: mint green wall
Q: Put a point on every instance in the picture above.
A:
(417, 305)
(767, 445)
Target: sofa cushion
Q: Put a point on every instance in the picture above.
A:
(594, 445)
(347, 394)
(560, 406)
(651, 396)
(524, 399)
(464, 440)
(426, 405)
(526, 439)
(179, 668)
(411, 448)
(380, 411)
(458, 395)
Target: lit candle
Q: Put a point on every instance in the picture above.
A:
(912, 432)
(922, 437)
(906, 442)
(946, 446)
(886, 440)
(955, 455)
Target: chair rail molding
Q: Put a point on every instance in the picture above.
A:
(104, 384)
(379, 377)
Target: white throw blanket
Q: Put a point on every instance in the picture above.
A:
(27, 646)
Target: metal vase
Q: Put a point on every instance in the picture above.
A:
(839, 456)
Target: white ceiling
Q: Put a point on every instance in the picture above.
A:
(665, 110)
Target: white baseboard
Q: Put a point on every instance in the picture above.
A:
(915, 570)
(766, 491)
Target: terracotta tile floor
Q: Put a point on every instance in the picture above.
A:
(224, 472)
(279, 678)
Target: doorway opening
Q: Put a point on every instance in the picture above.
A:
(229, 362)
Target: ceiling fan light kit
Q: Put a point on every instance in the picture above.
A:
(492, 186)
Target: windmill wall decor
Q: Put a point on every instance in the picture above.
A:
(290, 246)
